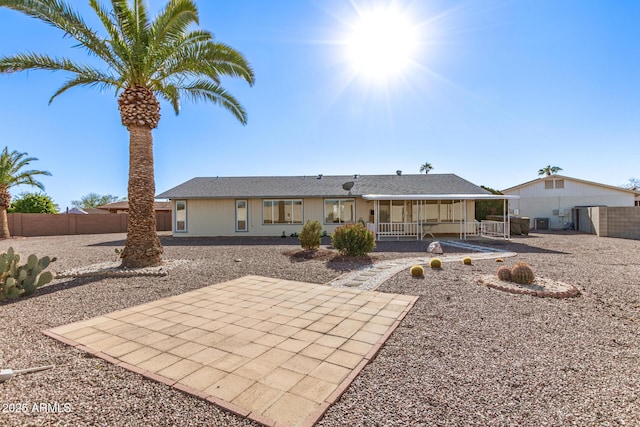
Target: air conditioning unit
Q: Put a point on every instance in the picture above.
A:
(556, 212)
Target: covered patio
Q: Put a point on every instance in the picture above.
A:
(420, 215)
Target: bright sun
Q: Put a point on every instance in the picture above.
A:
(382, 44)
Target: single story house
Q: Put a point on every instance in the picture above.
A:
(391, 205)
(556, 201)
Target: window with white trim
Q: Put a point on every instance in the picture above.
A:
(339, 211)
(278, 211)
(180, 225)
(241, 215)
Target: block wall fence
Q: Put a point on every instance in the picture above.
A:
(29, 225)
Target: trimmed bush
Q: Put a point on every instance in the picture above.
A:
(310, 235)
(504, 274)
(417, 271)
(466, 260)
(353, 240)
(435, 263)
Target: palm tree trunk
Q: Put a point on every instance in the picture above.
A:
(142, 247)
(4, 224)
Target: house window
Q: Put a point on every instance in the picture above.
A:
(385, 211)
(282, 211)
(339, 211)
(550, 184)
(241, 215)
(181, 216)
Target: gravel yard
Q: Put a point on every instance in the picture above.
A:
(465, 355)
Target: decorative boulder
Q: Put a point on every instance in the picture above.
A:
(435, 248)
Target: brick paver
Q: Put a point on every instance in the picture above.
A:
(277, 351)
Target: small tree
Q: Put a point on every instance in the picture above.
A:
(93, 200)
(489, 207)
(33, 203)
(12, 174)
(426, 168)
(310, 235)
(549, 170)
(353, 240)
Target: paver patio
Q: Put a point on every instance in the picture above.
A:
(275, 351)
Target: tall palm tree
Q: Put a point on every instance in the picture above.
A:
(11, 175)
(426, 168)
(549, 170)
(142, 60)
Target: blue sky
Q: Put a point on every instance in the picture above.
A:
(495, 90)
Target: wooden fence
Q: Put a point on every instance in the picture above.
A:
(29, 225)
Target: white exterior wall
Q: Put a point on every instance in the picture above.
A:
(217, 217)
(538, 202)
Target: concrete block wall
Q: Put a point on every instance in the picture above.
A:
(621, 221)
(29, 225)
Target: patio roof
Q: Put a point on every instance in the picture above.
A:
(438, 197)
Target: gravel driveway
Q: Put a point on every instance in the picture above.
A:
(465, 355)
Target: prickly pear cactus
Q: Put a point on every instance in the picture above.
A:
(22, 280)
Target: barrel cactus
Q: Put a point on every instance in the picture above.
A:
(417, 271)
(522, 274)
(504, 274)
(466, 260)
(435, 263)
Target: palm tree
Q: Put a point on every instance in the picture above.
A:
(426, 168)
(143, 60)
(549, 170)
(11, 175)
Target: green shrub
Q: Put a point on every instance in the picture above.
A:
(435, 263)
(417, 271)
(310, 235)
(353, 240)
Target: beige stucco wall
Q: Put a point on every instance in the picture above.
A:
(216, 217)
(537, 202)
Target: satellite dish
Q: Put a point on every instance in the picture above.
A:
(347, 185)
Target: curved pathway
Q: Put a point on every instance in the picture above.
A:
(371, 277)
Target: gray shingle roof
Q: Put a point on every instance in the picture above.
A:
(312, 186)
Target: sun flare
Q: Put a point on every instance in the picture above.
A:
(381, 44)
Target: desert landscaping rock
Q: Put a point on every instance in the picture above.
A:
(542, 287)
(465, 355)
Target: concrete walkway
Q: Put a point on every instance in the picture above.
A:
(276, 351)
(371, 277)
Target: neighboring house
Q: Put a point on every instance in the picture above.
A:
(391, 205)
(123, 207)
(555, 202)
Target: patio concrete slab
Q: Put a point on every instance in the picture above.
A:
(276, 351)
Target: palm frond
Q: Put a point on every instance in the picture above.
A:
(11, 174)
(172, 23)
(61, 15)
(204, 90)
(98, 79)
